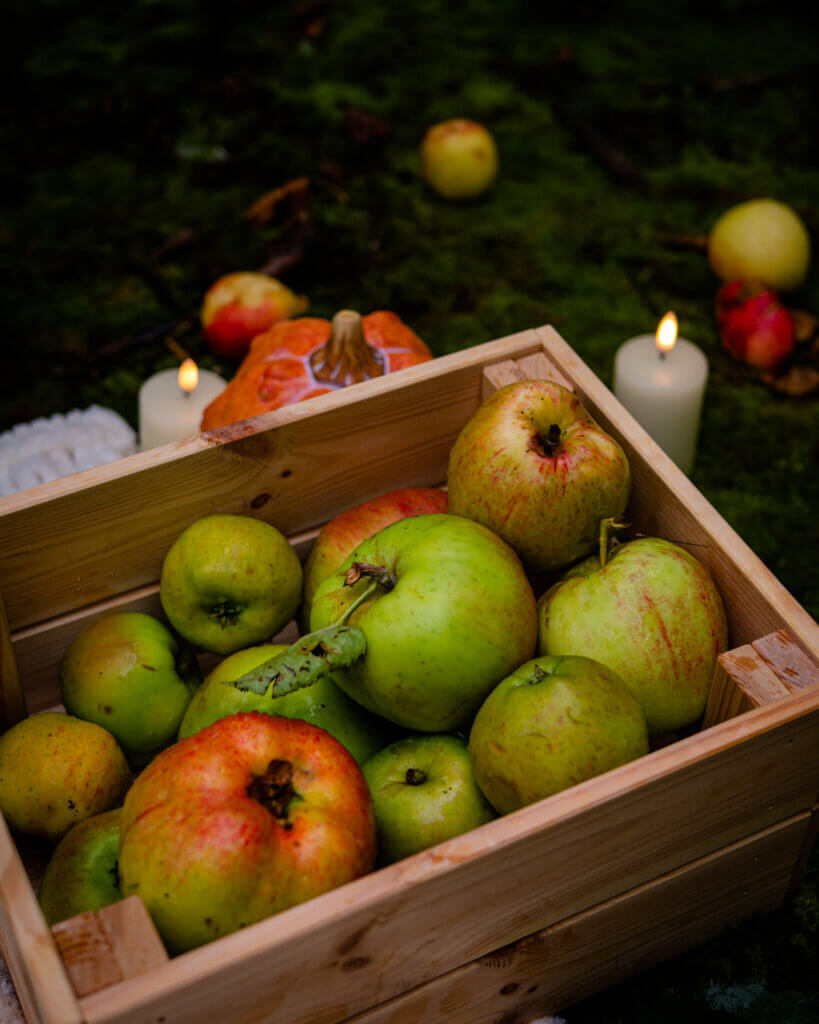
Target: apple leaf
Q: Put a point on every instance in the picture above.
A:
(306, 661)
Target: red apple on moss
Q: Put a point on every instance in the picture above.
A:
(239, 306)
(536, 468)
(248, 817)
(344, 533)
(754, 325)
(459, 159)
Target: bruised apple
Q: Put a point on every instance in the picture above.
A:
(344, 533)
(446, 610)
(534, 466)
(248, 817)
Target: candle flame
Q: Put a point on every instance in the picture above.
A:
(188, 376)
(666, 335)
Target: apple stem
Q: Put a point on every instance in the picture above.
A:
(546, 446)
(358, 601)
(608, 529)
(416, 777)
(274, 790)
(346, 357)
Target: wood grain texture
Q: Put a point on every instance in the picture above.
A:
(98, 534)
(392, 930)
(87, 953)
(756, 674)
(546, 972)
(28, 947)
(540, 367)
(12, 704)
(665, 503)
(498, 375)
(132, 936)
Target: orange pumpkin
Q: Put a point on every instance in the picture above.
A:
(298, 359)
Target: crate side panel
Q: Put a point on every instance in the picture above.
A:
(315, 459)
(40, 980)
(548, 971)
(392, 930)
(665, 503)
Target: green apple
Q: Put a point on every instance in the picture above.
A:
(130, 675)
(761, 240)
(451, 614)
(346, 531)
(424, 793)
(553, 723)
(459, 159)
(82, 874)
(323, 703)
(230, 581)
(652, 614)
(534, 466)
(57, 770)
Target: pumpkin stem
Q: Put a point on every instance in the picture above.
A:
(346, 358)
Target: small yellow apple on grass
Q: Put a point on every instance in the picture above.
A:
(239, 306)
(55, 771)
(459, 159)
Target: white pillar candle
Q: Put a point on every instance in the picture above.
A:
(171, 403)
(660, 379)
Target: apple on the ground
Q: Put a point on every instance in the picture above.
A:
(450, 612)
(229, 581)
(459, 159)
(346, 531)
(241, 305)
(553, 723)
(252, 815)
(534, 466)
(653, 615)
(424, 793)
(761, 240)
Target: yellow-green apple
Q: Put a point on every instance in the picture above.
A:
(82, 874)
(323, 704)
(344, 533)
(450, 614)
(229, 581)
(760, 240)
(131, 675)
(56, 770)
(553, 723)
(239, 306)
(534, 466)
(424, 793)
(252, 815)
(652, 613)
(459, 159)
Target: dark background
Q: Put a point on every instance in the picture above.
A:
(135, 137)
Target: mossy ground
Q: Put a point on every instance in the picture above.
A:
(127, 126)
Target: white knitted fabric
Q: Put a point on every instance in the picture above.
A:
(48, 448)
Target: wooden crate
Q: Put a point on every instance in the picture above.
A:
(519, 917)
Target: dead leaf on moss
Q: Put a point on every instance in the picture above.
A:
(294, 193)
(804, 325)
(795, 381)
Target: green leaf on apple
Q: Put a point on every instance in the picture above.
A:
(306, 661)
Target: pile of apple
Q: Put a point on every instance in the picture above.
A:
(433, 693)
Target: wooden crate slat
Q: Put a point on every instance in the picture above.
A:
(40, 979)
(791, 665)
(392, 930)
(12, 703)
(665, 503)
(575, 958)
(92, 536)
